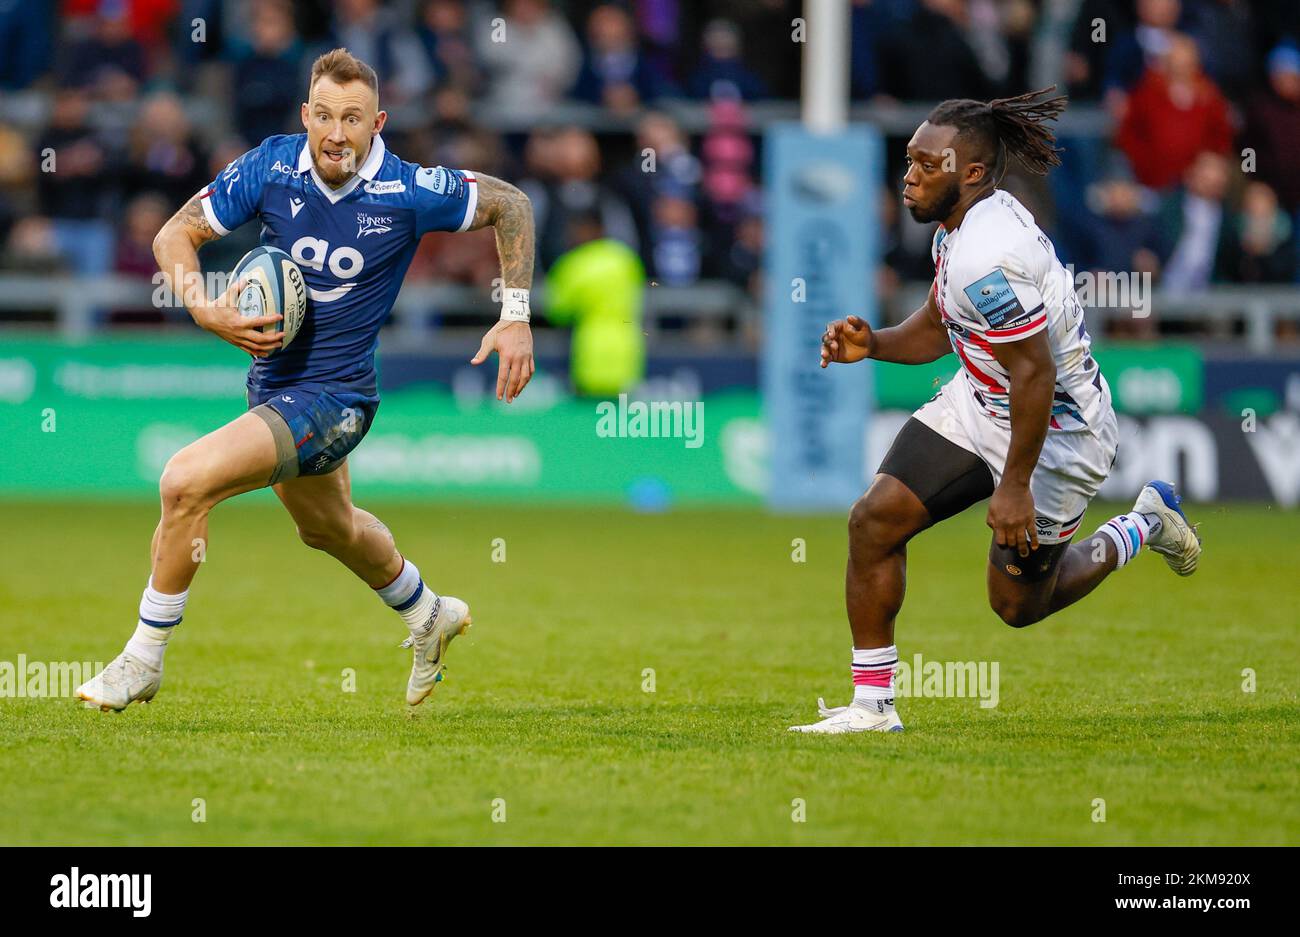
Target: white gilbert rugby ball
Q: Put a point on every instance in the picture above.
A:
(273, 286)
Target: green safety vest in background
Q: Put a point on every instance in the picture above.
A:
(599, 287)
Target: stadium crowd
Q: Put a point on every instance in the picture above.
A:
(136, 104)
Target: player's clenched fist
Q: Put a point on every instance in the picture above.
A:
(846, 341)
(513, 342)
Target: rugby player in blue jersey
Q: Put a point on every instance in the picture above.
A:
(351, 214)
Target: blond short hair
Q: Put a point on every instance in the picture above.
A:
(341, 66)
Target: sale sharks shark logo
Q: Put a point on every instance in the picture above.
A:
(372, 224)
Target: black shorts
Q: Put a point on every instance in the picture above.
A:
(946, 478)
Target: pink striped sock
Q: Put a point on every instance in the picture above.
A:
(873, 674)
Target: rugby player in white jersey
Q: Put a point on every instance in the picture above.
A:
(351, 214)
(1027, 421)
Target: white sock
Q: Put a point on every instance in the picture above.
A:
(159, 615)
(873, 677)
(410, 597)
(1129, 532)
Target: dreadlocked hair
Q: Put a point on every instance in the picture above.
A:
(1007, 127)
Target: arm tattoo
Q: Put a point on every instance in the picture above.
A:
(509, 211)
(192, 217)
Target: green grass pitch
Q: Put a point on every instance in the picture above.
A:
(1134, 697)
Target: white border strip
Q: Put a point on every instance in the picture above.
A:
(210, 214)
(473, 200)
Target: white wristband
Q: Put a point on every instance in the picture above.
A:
(514, 305)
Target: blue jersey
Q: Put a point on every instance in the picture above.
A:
(353, 244)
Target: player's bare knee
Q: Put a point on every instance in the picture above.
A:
(1017, 613)
(327, 536)
(184, 487)
(877, 520)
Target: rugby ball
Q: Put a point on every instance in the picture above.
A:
(273, 285)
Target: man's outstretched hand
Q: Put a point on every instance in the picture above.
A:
(513, 343)
(847, 340)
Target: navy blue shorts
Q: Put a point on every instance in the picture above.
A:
(314, 427)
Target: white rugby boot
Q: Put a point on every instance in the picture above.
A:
(448, 619)
(125, 680)
(869, 716)
(1177, 540)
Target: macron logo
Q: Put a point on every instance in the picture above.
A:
(295, 206)
(103, 891)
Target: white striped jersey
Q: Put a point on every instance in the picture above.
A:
(997, 279)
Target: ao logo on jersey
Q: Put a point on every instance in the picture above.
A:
(344, 263)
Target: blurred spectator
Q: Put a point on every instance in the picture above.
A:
(999, 32)
(867, 24)
(533, 58)
(146, 20)
(1272, 128)
(164, 156)
(564, 181)
(26, 36)
(1194, 223)
(188, 53)
(742, 262)
(444, 32)
(378, 37)
(1097, 27)
(935, 34)
(728, 158)
(722, 73)
(469, 257)
(1259, 245)
(1120, 229)
(675, 241)
(659, 26)
(662, 158)
(598, 286)
(32, 247)
(1224, 32)
(145, 216)
(109, 64)
(613, 71)
(1174, 113)
(1134, 51)
(74, 183)
(17, 169)
(268, 76)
